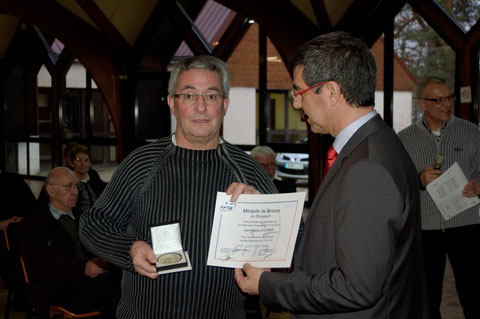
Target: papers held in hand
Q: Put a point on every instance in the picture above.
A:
(167, 246)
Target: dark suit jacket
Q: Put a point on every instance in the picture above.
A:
(359, 255)
(56, 275)
(285, 186)
(48, 249)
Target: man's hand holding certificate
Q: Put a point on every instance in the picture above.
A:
(256, 229)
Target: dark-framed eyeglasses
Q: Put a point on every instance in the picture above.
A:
(82, 159)
(298, 94)
(190, 99)
(441, 99)
(68, 187)
(268, 166)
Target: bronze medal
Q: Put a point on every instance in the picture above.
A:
(170, 258)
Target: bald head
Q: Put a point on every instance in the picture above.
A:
(61, 186)
(56, 173)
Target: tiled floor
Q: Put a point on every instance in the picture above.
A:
(450, 305)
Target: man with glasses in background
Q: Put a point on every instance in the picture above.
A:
(456, 140)
(359, 255)
(265, 156)
(60, 270)
(176, 178)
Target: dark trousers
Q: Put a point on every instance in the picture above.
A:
(462, 246)
(101, 293)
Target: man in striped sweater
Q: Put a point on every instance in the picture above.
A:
(176, 178)
(439, 132)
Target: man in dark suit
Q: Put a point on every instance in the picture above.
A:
(359, 255)
(60, 270)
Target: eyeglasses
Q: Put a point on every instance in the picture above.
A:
(81, 160)
(190, 99)
(297, 94)
(267, 166)
(68, 187)
(440, 100)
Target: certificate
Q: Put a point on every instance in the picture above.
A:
(257, 229)
(446, 192)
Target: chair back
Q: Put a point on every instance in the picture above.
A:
(14, 263)
(12, 270)
(12, 238)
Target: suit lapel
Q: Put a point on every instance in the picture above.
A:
(373, 125)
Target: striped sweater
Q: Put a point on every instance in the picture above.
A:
(459, 140)
(161, 182)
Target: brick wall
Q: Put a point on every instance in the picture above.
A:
(243, 65)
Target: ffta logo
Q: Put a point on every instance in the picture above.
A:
(227, 207)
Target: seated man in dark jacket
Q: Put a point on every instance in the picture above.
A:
(60, 270)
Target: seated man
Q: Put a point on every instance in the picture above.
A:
(61, 272)
(265, 156)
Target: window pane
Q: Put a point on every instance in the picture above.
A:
(465, 12)
(14, 102)
(28, 158)
(153, 111)
(422, 52)
(45, 159)
(73, 103)
(44, 109)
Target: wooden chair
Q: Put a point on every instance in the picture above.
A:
(64, 313)
(13, 246)
(14, 280)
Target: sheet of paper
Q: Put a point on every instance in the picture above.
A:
(446, 192)
(257, 229)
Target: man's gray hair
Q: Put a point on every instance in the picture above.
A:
(343, 58)
(261, 151)
(202, 62)
(425, 81)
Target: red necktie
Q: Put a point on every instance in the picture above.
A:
(331, 157)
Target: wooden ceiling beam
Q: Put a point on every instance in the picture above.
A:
(149, 30)
(473, 35)
(321, 14)
(104, 24)
(192, 36)
(441, 22)
(285, 25)
(86, 43)
(232, 36)
(365, 18)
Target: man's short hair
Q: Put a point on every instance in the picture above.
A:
(202, 62)
(343, 58)
(79, 149)
(425, 81)
(261, 151)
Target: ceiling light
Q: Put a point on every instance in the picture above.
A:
(273, 59)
